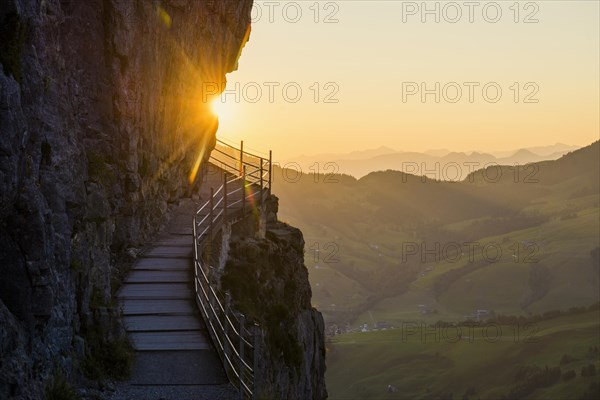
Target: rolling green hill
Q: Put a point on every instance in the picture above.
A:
(399, 248)
(542, 217)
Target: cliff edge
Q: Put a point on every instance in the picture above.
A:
(262, 268)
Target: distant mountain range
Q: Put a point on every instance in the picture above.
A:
(438, 164)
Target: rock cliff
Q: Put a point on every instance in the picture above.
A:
(103, 125)
(264, 272)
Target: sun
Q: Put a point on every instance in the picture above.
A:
(219, 107)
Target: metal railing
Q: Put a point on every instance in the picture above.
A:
(246, 180)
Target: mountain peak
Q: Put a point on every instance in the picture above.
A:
(524, 152)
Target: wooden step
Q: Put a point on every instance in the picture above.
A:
(159, 276)
(148, 323)
(158, 307)
(193, 340)
(166, 264)
(170, 252)
(155, 291)
(175, 240)
(179, 369)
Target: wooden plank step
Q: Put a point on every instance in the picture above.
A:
(171, 252)
(163, 323)
(175, 241)
(187, 230)
(167, 264)
(179, 369)
(158, 276)
(158, 307)
(155, 291)
(154, 341)
(181, 219)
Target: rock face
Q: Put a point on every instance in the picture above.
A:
(103, 123)
(268, 282)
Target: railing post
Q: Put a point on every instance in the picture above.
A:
(243, 190)
(226, 348)
(270, 170)
(241, 155)
(255, 374)
(195, 239)
(261, 180)
(225, 196)
(209, 300)
(210, 213)
(241, 352)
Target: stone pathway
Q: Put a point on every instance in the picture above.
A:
(175, 359)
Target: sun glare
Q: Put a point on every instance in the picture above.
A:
(219, 107)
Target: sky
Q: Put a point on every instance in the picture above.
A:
(338, 76)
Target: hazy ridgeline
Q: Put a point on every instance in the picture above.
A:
(437, 164)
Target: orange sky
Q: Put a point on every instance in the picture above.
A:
(365, 58)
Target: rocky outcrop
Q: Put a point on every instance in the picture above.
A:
(264, 273)
(103, 124)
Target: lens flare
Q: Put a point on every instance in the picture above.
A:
(218, 107)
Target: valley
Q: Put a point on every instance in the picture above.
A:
(392, 250)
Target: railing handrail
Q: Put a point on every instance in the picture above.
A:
(220, 141)
(225, 327)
